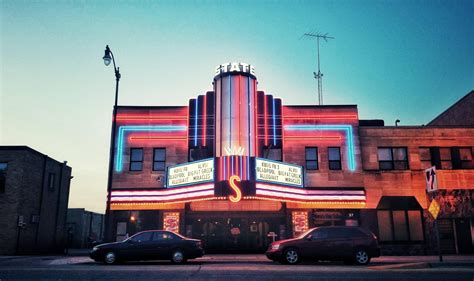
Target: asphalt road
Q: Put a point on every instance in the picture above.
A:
(225, 271)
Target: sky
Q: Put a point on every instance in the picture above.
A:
(407, 60)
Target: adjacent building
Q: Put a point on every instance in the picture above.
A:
(34, 192)
(84, 228)
(237, 168)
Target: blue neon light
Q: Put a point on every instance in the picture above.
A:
(125, 129)
(196, 124)
(346, 128)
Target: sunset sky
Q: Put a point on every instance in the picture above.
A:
(406, 60)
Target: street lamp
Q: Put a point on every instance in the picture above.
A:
(109, 57)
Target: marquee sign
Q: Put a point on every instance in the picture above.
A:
(191, 173)
(278, 172)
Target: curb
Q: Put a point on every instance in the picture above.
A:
(411, 265)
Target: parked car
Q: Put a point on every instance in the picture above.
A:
(348, 243)
(149, 245)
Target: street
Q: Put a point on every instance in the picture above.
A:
(251, 267)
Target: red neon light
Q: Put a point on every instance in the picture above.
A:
(325, 116)
(204, 136)
(122, 117)
(265, 117)
(238, 193)
(255, 119)
(302, 138)
(154, 138)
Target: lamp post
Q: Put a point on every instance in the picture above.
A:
(109, 57)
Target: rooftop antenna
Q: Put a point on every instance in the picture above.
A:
(319, 75)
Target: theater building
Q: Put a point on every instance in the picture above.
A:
(237, 168)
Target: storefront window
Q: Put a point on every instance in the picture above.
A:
(385, 226)
(416, 229)
(400, 225)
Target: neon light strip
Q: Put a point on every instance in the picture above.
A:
(308, 192)
(346, 128)
(308, 197)
(122, 204)
(204, 122)
(265, 117)
(154, 138)
(274, 125)
(163, 198)
(138, 117)
(196, 123)
(124, 129)
(308, 202)
(162, 192)
(325, 116)
(296, 138)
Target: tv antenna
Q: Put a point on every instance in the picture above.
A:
(319, 76)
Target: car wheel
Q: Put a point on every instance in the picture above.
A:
(291, 256)
(110, 258)
(361, 257)
(178, 257)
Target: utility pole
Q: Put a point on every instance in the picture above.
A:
(319, 76)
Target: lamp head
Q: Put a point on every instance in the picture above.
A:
(107, 58)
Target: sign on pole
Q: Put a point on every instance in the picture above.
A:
(434, 208)
(431, 180)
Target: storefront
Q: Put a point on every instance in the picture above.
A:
(237, 168)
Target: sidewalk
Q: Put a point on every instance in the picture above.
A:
(80, 256)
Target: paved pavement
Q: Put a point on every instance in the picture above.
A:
(236, 267)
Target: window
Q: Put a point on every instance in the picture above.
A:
(160, 236)
(311, 158)
(136, 159)
(3, 179)
(51, 181)
(400, 225)
(272, 153)
(159, 159)
(462, 158)
(198, 153)
(319, 234)
(142, 237)
(446, 157)
(334, 156)
(393, 158)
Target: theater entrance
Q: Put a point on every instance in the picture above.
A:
(232, 232)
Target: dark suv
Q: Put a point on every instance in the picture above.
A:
(348, 243)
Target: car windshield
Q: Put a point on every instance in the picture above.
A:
(305, 233)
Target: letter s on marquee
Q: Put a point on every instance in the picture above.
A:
(238, 193)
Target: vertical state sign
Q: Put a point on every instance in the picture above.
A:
(278, 172)
(191, 173)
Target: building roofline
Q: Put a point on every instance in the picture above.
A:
(27, 148)
(321, 106)
(150, 107)
(449, 108)
(418, 127)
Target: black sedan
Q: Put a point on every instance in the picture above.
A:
(149, 245)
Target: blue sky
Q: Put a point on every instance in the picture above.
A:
(406, 60)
